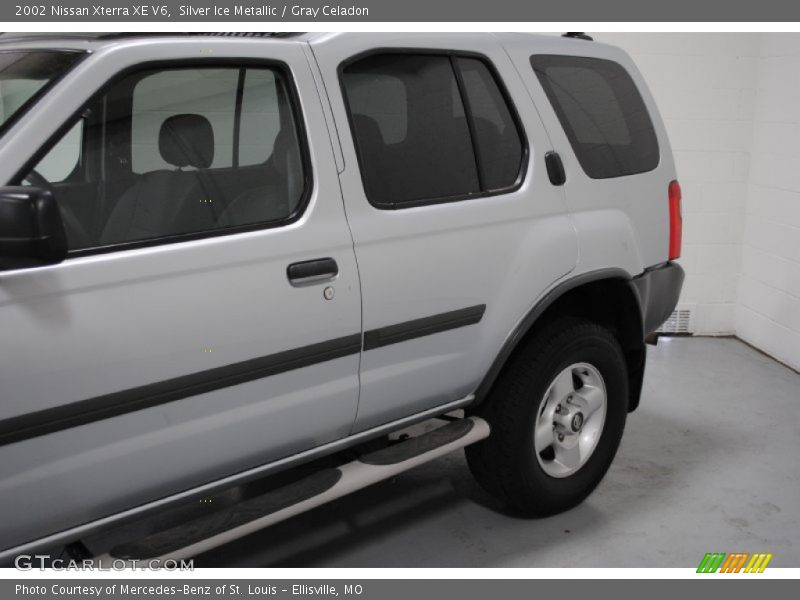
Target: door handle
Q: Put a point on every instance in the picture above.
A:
(309, 272)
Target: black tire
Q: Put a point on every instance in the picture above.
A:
(505, 463)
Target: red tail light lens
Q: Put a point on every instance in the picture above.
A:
(675, 220)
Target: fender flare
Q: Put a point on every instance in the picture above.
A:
(522, 328)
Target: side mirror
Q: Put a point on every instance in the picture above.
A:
(31, 230)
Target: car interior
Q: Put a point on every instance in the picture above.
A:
(104, 202)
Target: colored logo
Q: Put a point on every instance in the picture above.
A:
(736, 562)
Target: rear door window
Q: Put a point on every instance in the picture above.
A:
(431, 128)
(602, 113)
(498, 143)
(413, 140)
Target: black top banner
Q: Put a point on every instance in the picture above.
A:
(256, 11)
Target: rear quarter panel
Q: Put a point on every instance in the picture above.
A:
(621, 222)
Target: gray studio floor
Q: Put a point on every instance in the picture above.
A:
(711, 461)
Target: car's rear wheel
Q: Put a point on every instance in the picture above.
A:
(557, 414)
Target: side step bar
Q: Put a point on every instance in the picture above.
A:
(228, 524)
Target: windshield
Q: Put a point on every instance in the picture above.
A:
(24, 74)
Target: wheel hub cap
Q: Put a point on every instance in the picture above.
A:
(570, 420)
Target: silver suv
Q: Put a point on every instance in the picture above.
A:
(227, 257)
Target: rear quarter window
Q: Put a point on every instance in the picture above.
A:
(602, 113)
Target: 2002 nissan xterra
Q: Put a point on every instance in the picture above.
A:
(225, 256)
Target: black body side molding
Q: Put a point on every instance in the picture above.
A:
(49, 420)
(393, 334)
(83, 412)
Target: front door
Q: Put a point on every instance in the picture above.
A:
(207, 320)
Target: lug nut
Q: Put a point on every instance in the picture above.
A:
(558, 409)
(560, 437)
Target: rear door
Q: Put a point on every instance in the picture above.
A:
(188, 336)
(457, 229)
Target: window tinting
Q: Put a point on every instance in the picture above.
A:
(497, 139)
(429, 128)
(383, 98)
(434, 159)
(174, 152)
(602, 113)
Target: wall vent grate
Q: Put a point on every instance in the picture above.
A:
(680, 322)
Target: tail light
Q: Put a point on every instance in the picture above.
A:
(675, 220)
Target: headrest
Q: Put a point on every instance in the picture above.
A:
(280, 151)
(368, 132)
(284, 151)
(187, 140)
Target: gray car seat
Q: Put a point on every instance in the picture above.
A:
(280, 193)
(169, 202)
